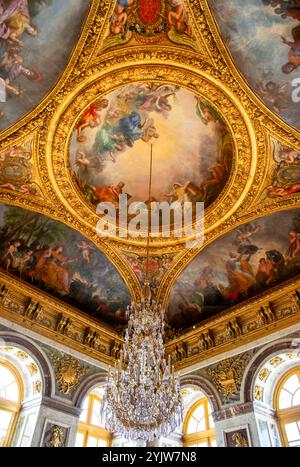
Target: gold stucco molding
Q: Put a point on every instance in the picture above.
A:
(271, 311)
(276, 309)
(39, 312)
(245, 160)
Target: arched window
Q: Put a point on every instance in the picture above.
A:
(11, 396)
(287, 404)
(90, 431)
(199, 427)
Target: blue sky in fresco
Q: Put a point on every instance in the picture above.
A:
(59, 26)
(252, 31)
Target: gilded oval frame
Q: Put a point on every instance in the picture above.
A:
(245, 158)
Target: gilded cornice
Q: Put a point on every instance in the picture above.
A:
(261, 316)
(36, 310)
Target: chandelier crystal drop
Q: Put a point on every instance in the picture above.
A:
(142, 399)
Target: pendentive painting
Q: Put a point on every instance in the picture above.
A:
(110, 147)
(163, 22)
(17, 172)
(48, 255)
(36, 42)
(263, 37)
(236, 267)
(284, 172)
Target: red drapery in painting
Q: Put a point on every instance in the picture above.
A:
(149, 10)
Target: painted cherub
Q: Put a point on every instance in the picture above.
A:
(12, 249)
(118, 19)
(86, 249)
(274, 94)
(82, 161)
(283, 191)
(179, 192)
(178, 16)
(294, 52)
(14, 21)
(25, 261)
(17, 28)
(244, 234)
(15, 151)
(288, 156)
(13, 67)
(120, 16)
(91, 118)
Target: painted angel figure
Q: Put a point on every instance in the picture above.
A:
(11, 68)
(91, 118)
(294, 51)
(86, 250)
(156, 99)
(274, 94)
(119, 17)
(82, 161)
(15, 20)
(285, 8)
(87, 166)
(178, 17)
(244, 234)
(179, 193)
(274, 191)
(294, 248)
(283, 155)
(205, 111)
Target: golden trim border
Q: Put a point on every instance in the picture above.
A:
(53, 319)
(281, 302)
(237, 120)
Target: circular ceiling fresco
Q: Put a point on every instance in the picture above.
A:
(111, 144)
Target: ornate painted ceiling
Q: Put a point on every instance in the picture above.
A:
(212, 86)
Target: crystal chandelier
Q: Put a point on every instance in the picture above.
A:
(142, 398)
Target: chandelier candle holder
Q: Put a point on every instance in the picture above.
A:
(142, 400)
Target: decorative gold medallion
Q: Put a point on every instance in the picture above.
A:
(68, 372)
